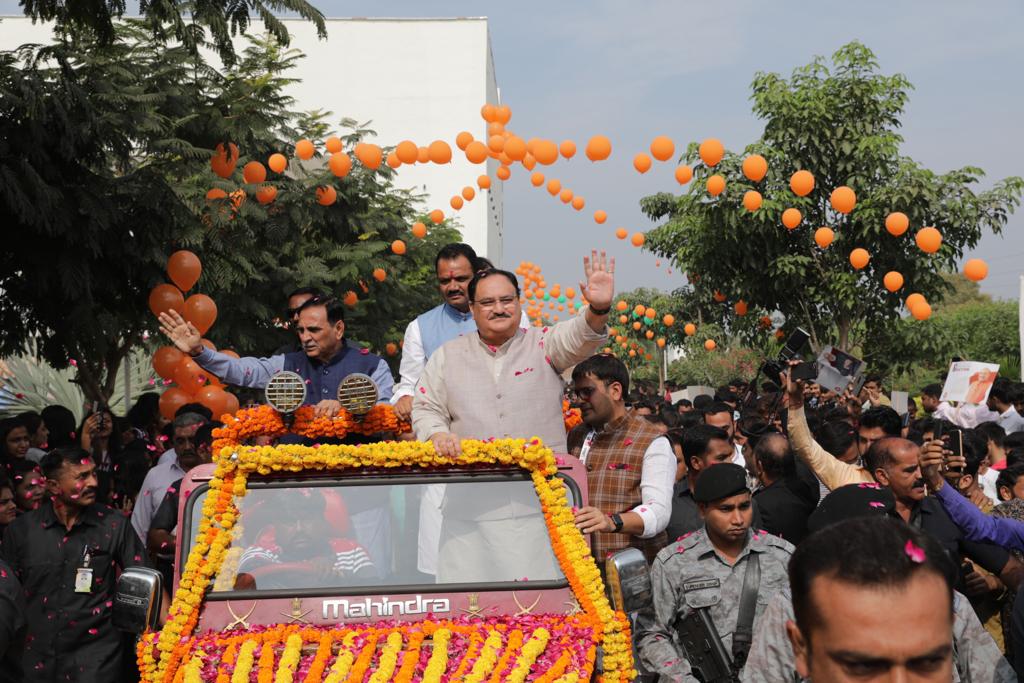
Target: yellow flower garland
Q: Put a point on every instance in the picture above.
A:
(236, 462)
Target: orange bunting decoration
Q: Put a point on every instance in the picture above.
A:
(304, 149)
(755, 167)
(419, 230)
(859, 258)
(599, 148)
(843, 199)
(567, 149)
(254, 172)
(975, 270)
(638, 239)
(340, 164)
(326, 195)
(398, 247)
(791, 218)
(897, 223)
(711, 151)
(277, 162)
(893, 280)
(369, 155)
(662, 148)
(642, 162)
(752, 200)
(600, 216)
(823, 237)
(715, 185)
(683, 174)
(928, 240)
(436, 216)
(801, 183)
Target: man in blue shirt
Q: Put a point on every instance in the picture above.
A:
(324, 361)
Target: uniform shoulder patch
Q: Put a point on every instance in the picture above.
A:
(770, 540)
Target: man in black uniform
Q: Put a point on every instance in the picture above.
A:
(67, 554)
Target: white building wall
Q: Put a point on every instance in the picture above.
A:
(416, 79)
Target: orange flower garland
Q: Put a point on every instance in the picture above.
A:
(572, 416)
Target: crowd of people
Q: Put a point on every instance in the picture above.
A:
(817, 535)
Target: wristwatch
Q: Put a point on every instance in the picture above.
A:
(600, 311)
(617, 521)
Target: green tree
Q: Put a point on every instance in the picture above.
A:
(104, 172)
(840, 122)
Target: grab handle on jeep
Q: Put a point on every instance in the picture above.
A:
(137, 600)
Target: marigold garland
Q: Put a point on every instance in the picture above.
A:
(572, 416)
(161, 655)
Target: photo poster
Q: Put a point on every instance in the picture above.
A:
(900, 402)
(969, 382)
(837, 368)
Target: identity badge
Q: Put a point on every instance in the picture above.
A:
(83, 580)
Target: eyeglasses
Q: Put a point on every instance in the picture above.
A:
(505, 302)
(582, 393)
(311, 301)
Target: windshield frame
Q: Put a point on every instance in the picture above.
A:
(373, 479)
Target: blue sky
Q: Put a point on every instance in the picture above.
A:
(683, 69)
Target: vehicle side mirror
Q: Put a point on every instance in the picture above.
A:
(137, 600)
(629, 580)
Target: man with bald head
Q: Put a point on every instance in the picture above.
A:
(783, 511)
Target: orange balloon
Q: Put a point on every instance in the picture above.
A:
(791, 218)
(570, 293)
(165, 360)
(859, 258)
(711, 151)
(165, 298)
(332, 145)
(277, 162)
(379, 274)
(710, 344)
(740, 307)
(598, 148)
(407, 151)
(662, 148)
(189, 376)
(823, 237)
(755, 167)
(545, 152)
(254, 172)
(483, 182)
(398, 247)
(565, 195)
(843, 199)
(214, 398)
(578, 203)
(690, 329)
(669, 320)
(463, 139)
(392, 160)
(649, 334)
(642, 162)
(440, 152)
(650, 313)
(683, 174)
(751, 200)
(892, 280)
(468, 193)
(661, 342)
(326, 195)
(232, 403)
(436, 216)
(975, 269)
(304, 149)
(600, 216)
(171, 400)
(200, 311)
(184, 269)
(266, 194)
(621, 233)
(502, 114)
(503, 173)
(897, 223)
(476, 152)
(639, 309)
(913, 300)
(496, 143)
(638, 239)
(529, 162)
(488, 112)
(621, 305)
(802, 183)
(419, 230)
(369, 155)
(340, 164)
(922, 311)
(515, 148)
(215, 194)
(554, 186)
(637, 325)
(350, 299)
(537, 179)
(223, 161)
(422, 155)
(456, 202)
(567, 149)
(928, 240)
(715, 185)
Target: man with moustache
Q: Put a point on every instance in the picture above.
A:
(455, 265)
(67, 555)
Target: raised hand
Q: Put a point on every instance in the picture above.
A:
(182, 333)
(600, 274)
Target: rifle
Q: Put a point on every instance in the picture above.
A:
(704, 649)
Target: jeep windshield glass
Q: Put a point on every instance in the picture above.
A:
(324, 534)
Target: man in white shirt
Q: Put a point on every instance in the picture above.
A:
(630, 463)
(720, 415)
(455, 265)
(1000, 400)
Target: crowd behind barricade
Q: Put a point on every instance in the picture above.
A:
(803, 533)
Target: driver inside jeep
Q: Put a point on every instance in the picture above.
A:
(297, 547)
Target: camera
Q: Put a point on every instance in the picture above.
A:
(794, 345)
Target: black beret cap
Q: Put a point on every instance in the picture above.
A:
(720, 481)
(852, 500)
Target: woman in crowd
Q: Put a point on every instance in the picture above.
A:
(14, 440)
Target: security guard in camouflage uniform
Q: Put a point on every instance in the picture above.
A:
(707, 570)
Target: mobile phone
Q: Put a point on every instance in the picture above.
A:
(794, 345)
(804, 371)
(954, 442)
